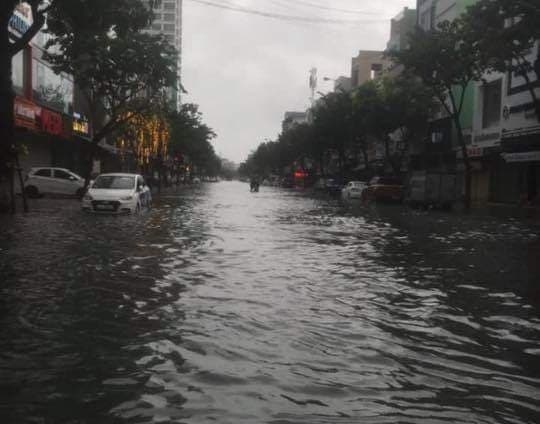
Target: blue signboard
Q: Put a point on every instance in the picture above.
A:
(18, 24)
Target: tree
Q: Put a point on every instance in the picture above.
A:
(8, 49)
(147, 136)
(400, 105)
(333, 120)
(446, 62)
(120, 70)
(191, 139)
(506, 31)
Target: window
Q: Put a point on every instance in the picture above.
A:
(18, 72)
(58, 173)
(169, 6)
(168, 17)
(156, 27)
(169, 28)
(43, 173)
(50, 89)
(157, 4)
(114, 182)
(491, 114)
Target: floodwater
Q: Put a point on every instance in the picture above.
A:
(224, 306)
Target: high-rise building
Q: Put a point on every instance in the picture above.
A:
(168, 21)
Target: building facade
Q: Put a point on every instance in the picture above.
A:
(291, 119)
(50, 122)
(168, 21)
(368, 65)
(506, 138)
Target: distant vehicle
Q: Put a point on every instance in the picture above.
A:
(117, 193)
(333, 186)
(196, 180)
(57, 181)
(389, 189)
(432, 189)
(353, 190)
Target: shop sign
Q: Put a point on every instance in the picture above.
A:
(20, 20)
(81, 125)
(522, 157)
(51, 122)
(475, 152)
(27, 114)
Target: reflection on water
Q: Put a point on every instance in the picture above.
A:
(230, 307)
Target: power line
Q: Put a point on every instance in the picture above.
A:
(283, 17)
(333, 9)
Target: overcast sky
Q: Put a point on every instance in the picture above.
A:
(246, 70)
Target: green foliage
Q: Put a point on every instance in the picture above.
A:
(191, 139)
(345, 123)
(506, 30)
(444, 58)
(119, 69)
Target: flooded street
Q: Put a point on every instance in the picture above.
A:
(221, 306)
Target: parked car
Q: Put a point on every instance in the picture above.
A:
(384, 189)
(353, 190)
(57, 181)
(117, 193)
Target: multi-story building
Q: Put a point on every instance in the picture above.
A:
(368, 65)
(342, 83)
(168, 21)
(506, 138)
(432, 12)
(291, 119)
(400, 28)
(49, 117)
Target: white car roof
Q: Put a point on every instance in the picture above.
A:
(119, 174)
(36, 168)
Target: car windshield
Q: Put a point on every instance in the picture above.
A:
(114, 182)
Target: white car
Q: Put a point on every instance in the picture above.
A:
(58, 181)
(117, 193)
(353, 190)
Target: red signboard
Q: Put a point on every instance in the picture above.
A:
(27, 114)
(51, 122)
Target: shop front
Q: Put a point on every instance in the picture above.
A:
(518, 170)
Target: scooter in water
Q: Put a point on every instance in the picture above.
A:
(254, 187)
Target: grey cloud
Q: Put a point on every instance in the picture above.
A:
(245, 71)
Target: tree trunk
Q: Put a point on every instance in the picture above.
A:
(321, 163)
(7, 97)
(341, 158)
(366, 157)
(466, 163)
(532, 91)
(90, 163)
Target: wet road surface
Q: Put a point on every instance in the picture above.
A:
(221, 306)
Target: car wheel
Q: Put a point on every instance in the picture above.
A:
(32, 191)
